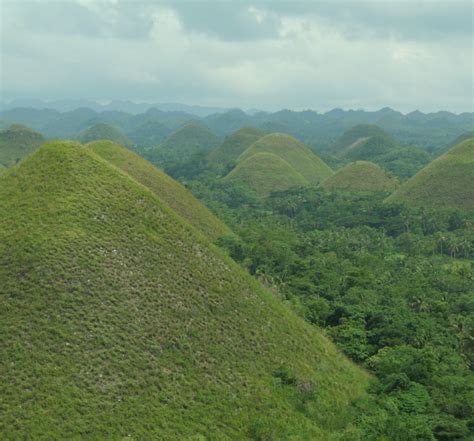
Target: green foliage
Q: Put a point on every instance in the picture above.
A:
(119, 320)
(16, 142)
(361, 176)
(444, 183)
(404, 162)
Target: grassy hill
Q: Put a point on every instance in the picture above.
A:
(458, 140)
(296, 154)
(361, 176)
(149, 134)
(265, 173)
(234, 145)
(183, 144)
(104, 131)
(121, 321)
(447, 182)
(16, 142)
(363, 142)
(167, 189)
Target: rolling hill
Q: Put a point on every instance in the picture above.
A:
(166, 188)
(296, 154)
(363, 142)
(265, 173)
(234, 145)
(149, 134)
(361, 176)
(16, 142)
(104, 131)
(189, 140)
(123, 322)
(447, 182)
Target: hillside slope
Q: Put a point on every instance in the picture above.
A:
(447, 182)
(363, 142)
(122, 322)
(234, 145)
(167, 189)
(16, 142)
(302, 159)
(361, 176)
(265, 173)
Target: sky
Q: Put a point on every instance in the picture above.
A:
(405, 54)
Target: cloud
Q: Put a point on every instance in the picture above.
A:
(248, 54)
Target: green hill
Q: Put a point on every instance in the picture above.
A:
(363, 142)
(120, 321)
(166, 188)
(447, 182)
(181, 145)
(234, 145)
(265, 173)
(16, 142)
(104, 131)
(458, 140)
(361, 176)
(149, 134)
(296, 154)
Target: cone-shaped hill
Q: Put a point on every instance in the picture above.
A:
(361, 176)
(120, 320)
(166, 188)
(296, 154)
(447, 182)
(234, 145)
(363, 142)
(104, 131)
(16, 142)
(265, 173)
(189, 139)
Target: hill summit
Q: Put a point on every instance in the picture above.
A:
(16, 142)
(447, 182)
(102, 131)
(122, 321)
(361, 176)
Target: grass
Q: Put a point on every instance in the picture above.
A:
(361, 176)
(447, 182)
(363, 142)
(167, 189)
(234, 145)
(296, 154)
(266, 173)
(16, 142)
(104, 131)
(119, 320)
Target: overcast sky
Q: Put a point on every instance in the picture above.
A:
(406, 54)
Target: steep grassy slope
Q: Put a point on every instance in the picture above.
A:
(265, 173)
(458, 140)
(361, 176)
(166, 188)
(303, 160)
(234, 145)
(104, 131)
(118, 320)
(363, 142)
(447, 182)
(16, 142)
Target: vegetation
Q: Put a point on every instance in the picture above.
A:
(16, 142)
(463, 137)
(265, 172)
(118, 320)
(184, 143)
(167, 189)
(149, 134)
(361, 176)
(444, 183)
(104, 131)
(404, 162)
(296, 154)
(391, 285)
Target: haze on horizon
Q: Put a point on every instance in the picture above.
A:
(249, 54)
